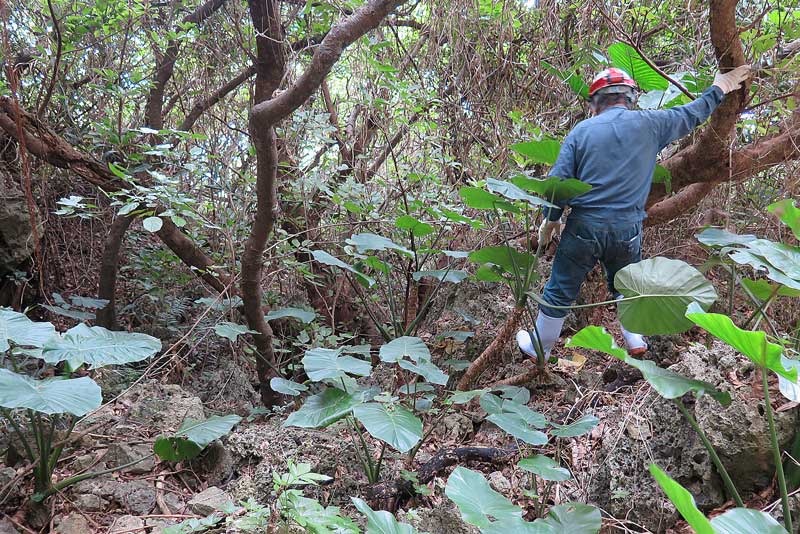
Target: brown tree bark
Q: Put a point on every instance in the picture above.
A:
(267, 112)
(490, 353)
(107, 285)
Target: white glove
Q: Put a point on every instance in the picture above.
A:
(731, 81)
(546, 231)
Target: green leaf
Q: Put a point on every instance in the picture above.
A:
(444, 275)
(323, 257)
(625, 57)
(300, 314)
(752, 344)
(488, 273)
(571, 77)
(381, 522)
(232, 331)
(463, 397)
(672, 385)
(152, 224)
(582, 426)
(193, 436)
(415, 226)
(662, 288)
(97, 347)
(480, 199)
(322, 363)
(427, 370)
(574, 518)
(517, 525)
(553, 188)
(77, 396)
(392, 424)
(746, 521)
(667, 383)
(491, 404)
(532, 418)
(762, 289)
(788, 213)
(323, 409)
(661, 175)
(367, 242)
(716, 237)
(759, 263)
(512, 192)
(545, 467)
(405, 346)
(785, 258)
(476, 500)
(597, 338)
(544, 151)
(287, 387)
(17, 328)
(508, 259)
(517, 426)
(683, 501)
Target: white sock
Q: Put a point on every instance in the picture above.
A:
(548, 328)
(632, 340)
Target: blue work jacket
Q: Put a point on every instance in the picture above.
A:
(615, 152)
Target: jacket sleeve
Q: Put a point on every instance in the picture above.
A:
(565, 167)
(674, 123)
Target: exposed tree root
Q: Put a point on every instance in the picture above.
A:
(490, 353)
(390, 495)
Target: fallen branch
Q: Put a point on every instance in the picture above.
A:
(490, 353)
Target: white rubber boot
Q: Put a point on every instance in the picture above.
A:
(548, 328)
(635, 343)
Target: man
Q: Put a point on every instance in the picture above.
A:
(615, 152)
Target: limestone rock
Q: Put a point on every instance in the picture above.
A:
(127, 524)
(7, 474)
(137, 496)
(444, 519)
(164, 406)
(499, 482)
(73, 524)
(16, 236)
(209, 501)
(86, 502)
(622, 485)
(122, 453)
(7, 527)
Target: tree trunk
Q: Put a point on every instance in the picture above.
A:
(490, 353)
(107, 287)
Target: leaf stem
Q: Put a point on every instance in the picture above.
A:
(776, 451)
(712, 453)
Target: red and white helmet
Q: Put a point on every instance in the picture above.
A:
(612, 77)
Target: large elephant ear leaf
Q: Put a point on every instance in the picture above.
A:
(683, 501)
(752, 344)
(625, 57)
(192, 437)
(17, 328)
(476, 500)
(544, 151)
(660, 289)
(552, 188)
(323, 409)
(746, 521)
(77, 396)
(381, 522)
(97, 347)
(788, 213)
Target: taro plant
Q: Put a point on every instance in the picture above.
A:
(406, 270)
(779, 262)
(734, 521)
(493, 513)
(755, 345)
(392, 418)
(43, 407)
(510, 204)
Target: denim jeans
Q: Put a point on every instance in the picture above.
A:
(582, 246)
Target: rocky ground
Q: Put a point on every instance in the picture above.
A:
(609, 465)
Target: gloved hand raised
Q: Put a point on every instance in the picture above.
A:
(546, 231)
(731, 81)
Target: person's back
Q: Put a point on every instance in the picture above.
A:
(615, 152)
